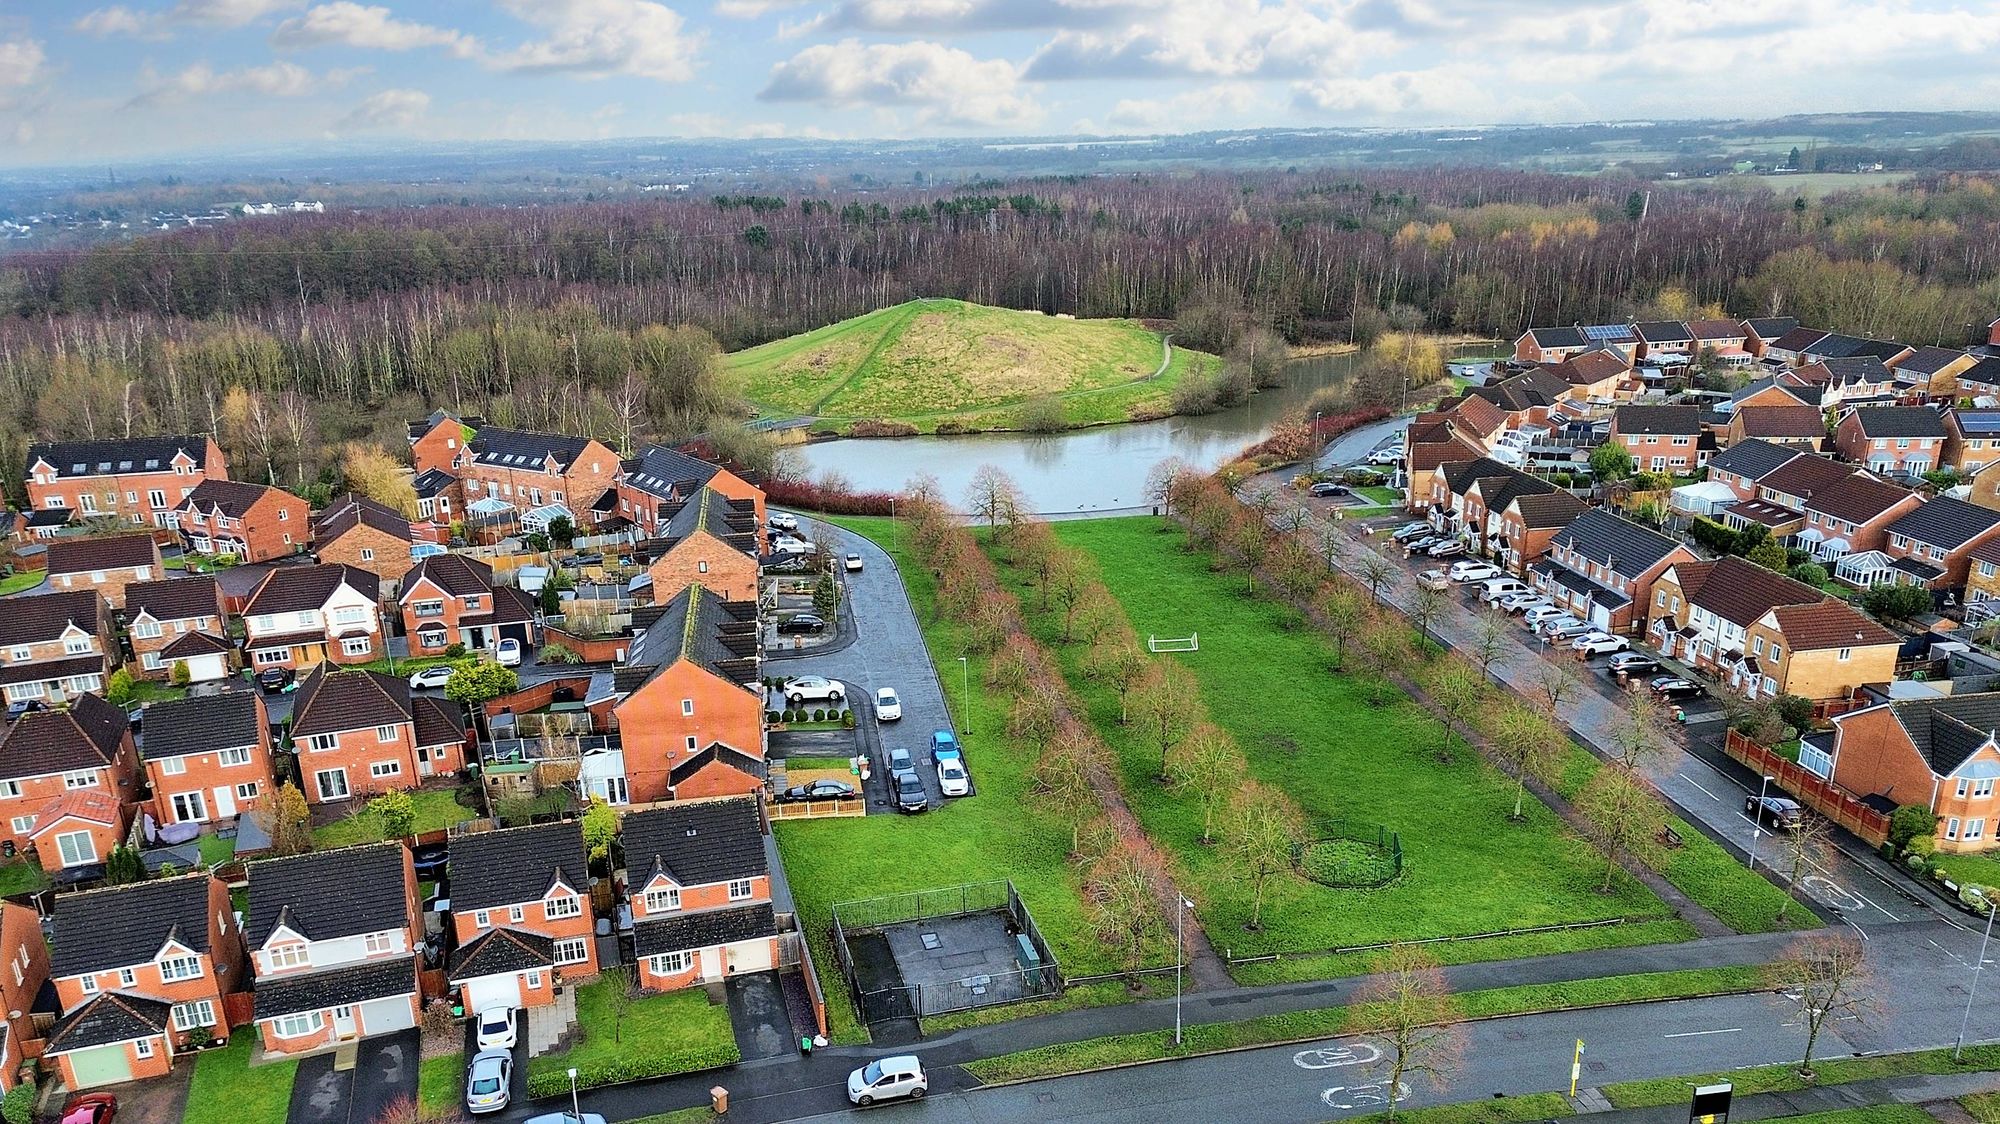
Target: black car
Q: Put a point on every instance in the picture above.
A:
(1773, 811)
(1678, 690)
(910, 793)
(430, 860)
(580, 560)
(801, 623)
(817, 790)
(1637, 665)
(19, 707)
(1328, 489)
(275, 679)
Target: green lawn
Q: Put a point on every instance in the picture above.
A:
(215, 850)
(441, 1085)
(15, 583)
(677, 1032)
(1874, 1114)
(437, 809)
(1314, 735)
(1982, 869)
(150, 691)
(226, 1090)
(1385, 497)
(22, 876)
(404, 667)
(1785, 1078)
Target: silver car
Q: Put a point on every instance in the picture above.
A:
(488, 1081)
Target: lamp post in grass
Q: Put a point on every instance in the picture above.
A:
(1181, 906)
(964, 696)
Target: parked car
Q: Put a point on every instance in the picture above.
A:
(1774, 811)
(275, 679)
(1328, 488)
(910, 795)
(784, 521)
(815, 687)
(817, 790)
(488, 1081)
(1471, 571)
(567, 1117)
(943, 743)
(19, 707)
(579, 561)
(1631, 663)
(1447, 549)
(787, 544)
(1409, 531)
(496, 1028)
(888, 708)
(886, 1079)
(428, 678)
(1421, 543)
(507, 653)
(430, 860)
(801, 624)
(952, 777)
(1597, 643)
(1562, 632)
(89, 1108)
(1386, 456)
(1534, 617)
(1493, 589)
(1523, 601)
(1434, 579)
(853, 563)
(1676, 689)
(900, 762)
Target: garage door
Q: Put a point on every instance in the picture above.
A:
(100, 1065)
(381, 1016)
(750, 956)
(482, 992)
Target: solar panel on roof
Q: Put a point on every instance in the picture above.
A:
(1606, 331)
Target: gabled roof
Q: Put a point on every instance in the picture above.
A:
(1752, 459)
(1664, 331)
(1930, 360)
(234, 498)
(1854, 370)
(1947, 730)
(438, 721)
(456, 574)
(352, 509)
(46, 616)
(666, 473)
(1549, 509)
(1717, 329)
(109, 1018)
(174, 599)
(1985, 423)
(1899, 421)
(295, 589)
(732, 521)
(500, 951)
(1676, 421)
(1771, 327)
(191, 644)
(177, 727)
(1946, 522)
(713, 753)
(526, 449)
(515, 865)
(1590, 368)
(1831, 623)
(1806, 475)
(1797, 339)
(1782, 421)
(130, 454)
(1986, 372)
(697, 843)
(119, 926)
(432, 481)
(91, 805)
(1803, 395)
(87, 735)
(1525, 391)
(1599, 535)
(339, 987)
(1857, 498)
(324, 895)
(720, 636)
(105, 552)
(332, 700)
(1479, 415)
(1608, 333)
(1833, 345)
(703, 929)
(1740, 591)
(1557, 337)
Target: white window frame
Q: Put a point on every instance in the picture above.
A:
(571, 950)
(200, 1012)
(670, 963)
(298, 1025)
(63, 848)
(663, 901)
(558, 907)
(173, 766)
(377, 943)
(289, 956)
(174, 968)
(381, 769)
(80, 778)
(234, 755)
(142, 1048)
(740, 889)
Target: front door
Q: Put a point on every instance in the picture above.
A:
(343, 1022)
(332, 784)
(225, 802)
(424, 766)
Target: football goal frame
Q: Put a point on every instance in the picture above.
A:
(1189, 643)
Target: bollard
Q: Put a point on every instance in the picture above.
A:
(718, 1100)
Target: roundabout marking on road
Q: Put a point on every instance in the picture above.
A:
(1362, 1096)
(1332, 1057)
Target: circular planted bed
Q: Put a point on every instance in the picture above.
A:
(1353, 859)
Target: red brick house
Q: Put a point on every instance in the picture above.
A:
(1549, 345)
(440, 497)
(353, 530)
(527, 470)
(1601, 568)
(1892, 440)
(450, 599)
(26, 950)
(360, 733)
(1529, 524)
(160, 613)
(653, 486)
(1760, 332)
(1600, 375)
(691, 711)
(1765, 635)
(1931, 546)
(1433, 439)
(1852, 515)
(208, 760)
(709, 540)
(140, 971)
(521, 915)
(107, 564)
(1971, 439)
(1937, 753)
(1660, 438)
(1728, 341)
(55, 647)
(333, 938)
(138, 480)
(1664, 341)
(300, 616)
(1803, 427)
(700, 893)
(436, 441)
(254, 522)
(67, 781)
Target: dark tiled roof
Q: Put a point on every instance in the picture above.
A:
(1768, 514)
(1797, 340)
(1599, 593)
(705, 929)
(1591, 367)
(732, 521)
(1857, 498)
(327, 894)
(109, 1018)
(1664, 331)
(1899, 421)
(720, 636)
(1597, 535)
(28, 620)
(1930, 360)
(1771, 327)
(495, 868)
(335, 987)
(431, 482)
(88, 735)
(296, 589)
(1946, 522)
(108, 552)
(1717, 329)
(191, 644)
(1752, 459)
(525, 449)
(1856, 370)
(1740, 592)
(1837, 346)
(1922, 571)
(121, 926)
(1782, 421)
(234, 498)
(131, 454)
(202, 725)
(666, 473)
(1556, 337)
(350, 510)
(456, 574)
(1677, 421)
(175, 599)
(1986, 372)
(46, 671)
(330, 701)
(1806, 475)
(1550, 509)
(696, 844)
(500, 950)
(1948, 730)
(438, 721)
(716, 751)
(1829, 624)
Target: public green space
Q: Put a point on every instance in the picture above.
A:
(653, 1036)
(227, 1090)
(1786, 1079)
(932, 363)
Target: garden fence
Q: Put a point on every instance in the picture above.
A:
(1812, 790)
(919, 905)
(880, 1004)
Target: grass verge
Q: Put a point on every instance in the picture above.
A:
(225, 1090)
(1785, 1078)
(678, 1032)
(441, 1085)
(15, 583)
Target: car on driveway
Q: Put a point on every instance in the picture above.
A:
(1631, 663)
(1536, 615)
(1523, 601)
(1471, 571)
(428, 678)
(952, 777)
(275, 679)
(789, 544)
(1675, 689)
(1392, 455)
(888, 708)
(1421, 543)
(1434, 579)
(801, 624)
(817, 790)
(900, 762)
(1409, 531)
(508, 652)
(1446, 549)
(89, 1108)
(943, 743)
(1329, 488)
(814, 688)
(886, 1079)
(1774, 811)
(784, 521)
(910, 795)
(489, 1081)
(1596, 643)
(496, 1028)
(1493, 589)
(1562, 632)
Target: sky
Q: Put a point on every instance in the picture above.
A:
(82, 81)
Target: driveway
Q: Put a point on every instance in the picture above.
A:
(758, 1015)
(385, 1071)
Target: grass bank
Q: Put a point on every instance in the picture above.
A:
(1785, 1078)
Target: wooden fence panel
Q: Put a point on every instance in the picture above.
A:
(1809, 788)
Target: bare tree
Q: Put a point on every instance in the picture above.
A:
(1262, 836)
(1125, 888)
(1166, 705)
(1554, 686)
(1426, 606)
(1807, 847)
(1526, 745)
(1250, 540)
(993, 497)
(1295, 569)
(1828, 977)
(1639, 737)
(1207, 765)
(1622, 816)
(1343, 611)
(1115, 661)
(1375, 572)
(617, 985)
(1457, 691)
(1408, 1006)
(1064, 782)
(1293, 519)
(1385, 646)
(1492, 633)
(1331, 542)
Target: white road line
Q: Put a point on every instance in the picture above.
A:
(1699, 1033)
(1704, 791)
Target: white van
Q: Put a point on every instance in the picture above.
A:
(886, 1079)
(1493, 589)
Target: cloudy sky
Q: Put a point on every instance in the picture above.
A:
(82, 81)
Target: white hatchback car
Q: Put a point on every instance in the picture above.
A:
(1471, 571)
(886, 1079)
(508, 653)
(1541, 614)
(436, 675)
(888, 707)
(1599, 643)
(496, 1028)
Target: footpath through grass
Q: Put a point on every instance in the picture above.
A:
(1313, 733)
(990, 836)
(225, 1090)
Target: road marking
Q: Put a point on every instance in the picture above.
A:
(1699, 1033)
(1330, 1058)
(1832, 893)
(1704, 791)
(1358, 1096)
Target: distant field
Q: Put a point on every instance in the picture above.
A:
(1812, 185)
(931, 361)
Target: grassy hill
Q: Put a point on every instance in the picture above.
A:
(945, 363)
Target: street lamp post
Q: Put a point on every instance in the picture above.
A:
(574, 1109)
(1973, 988)
(964, 696)
(1757, 823)
(1182, 905)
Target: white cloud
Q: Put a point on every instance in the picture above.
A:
(959, 16)
(277, 80)
(370, 27)
(1207, 38)
(599, 38)
(754, 9)
(115, 20)
(1224, 100)
(121, 20)
(388, 110)
(946, 86)
(21, 62)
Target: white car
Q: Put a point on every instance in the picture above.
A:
(886, 1078)
(853, 563)
(782, 521)
(1534, 618)
(788, 544)
(496, 1028)
(1446, 549)
(1523, 601)
(814, 687)
(1599, 643)
(952, 777)
(1386, 456)
(488, 1081)
(436, 675)
(1494, 589)
(888, 707)
(1470, 571)
(508, 653)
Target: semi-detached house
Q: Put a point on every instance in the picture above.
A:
(1850, 515)
(700, 888)
(1601, 568)
(178, 621)
(333, 936)
(1931, 546)
(67, 782)
(106, 564)
(139, 480)
(1892, 440)
(1664, 439)
(55, 647)
(300, 616)
(1937, 753)
(1764, 634)
(359, 733)
(521, 915)
(254, 522)
(208, 759)
(654, 485)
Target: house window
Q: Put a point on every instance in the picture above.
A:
(534, 980)
(76, 645)
(567, 906)
(143, 1048)
(298, 1026)
(23, 824)
(481, 919)
(385, 733)
(320, 743)
(150, 661)
(1845, 654)
(739, 889)
(1777, 653)
(89, 984)
(23, 654)
(10, 789)
(289, 956)
(76, 848)
(516, 914)
(1975, 829)
(173, 766)
(356, 646)
(701, 566)
(240, 755)
(1951, 828)
(180, 968)
(386, 769)
(247, 790)
(672, 963)
(571, 950)
(662, 901)
(690, 743)
(189, 807)
(368, 554)
(146, 629)
(84, 778)
(1963, 785)
(687, 710)
(1983, 787)
(187, 1016)
(376, 943)
(127, 977)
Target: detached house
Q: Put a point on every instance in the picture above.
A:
(1601, 566)
(55, 647)
(435, 441)
(106, 565)
(654, 486)
(1931, 546)
(1971, 440)
(700, 890)
(1664, 341)
(1661, 438)
(254, 522)
(1760, 332)
(521, 915)
(1800, 426)
(300, 616)
(1892, 440)
(691, 707)
(1723, 341)
(1596, 376)
(140, 971)
(208, 760)
(137, 479)
(1932, 372)
(709, 540)
(67, 782)
(527, 470)
(1852, 515)
(1937, 753)
(356, 531)
(1766, 635)
(450, 599)
(178, 621)
(333, 936)
(26, 951)
(1549, 345)
(360, 733)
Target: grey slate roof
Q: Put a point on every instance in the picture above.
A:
(1930, 360)
(1676, 421)
(202, 725)
(131, 454)
(1899, 421)
(1852, 369)
(666, 473)
(438, 721)
(191, 644)
(234, 498)
(431, 482)
(716, 751)
(111, 1017)
(525, 449)
(329, 701)
(695, 844)
(326, 894)
(1986, 372)
(500, 950)
(1948, 730)
(349, 510)
(1770, 327)
(120, 926)
(1797, 340)
(1557, 337)
(456, 574)
(1837, 346)
(108, 552)
(47, 616)
(1753, 459)
(1599, 535)
(86, 736)
(293, 589)
(335, 987)
(517, 864)
(720, 636)
(705, 929)
(1664, 331)
(1550, 509)
(1946, 522)
(175, 599)
(732, 521)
